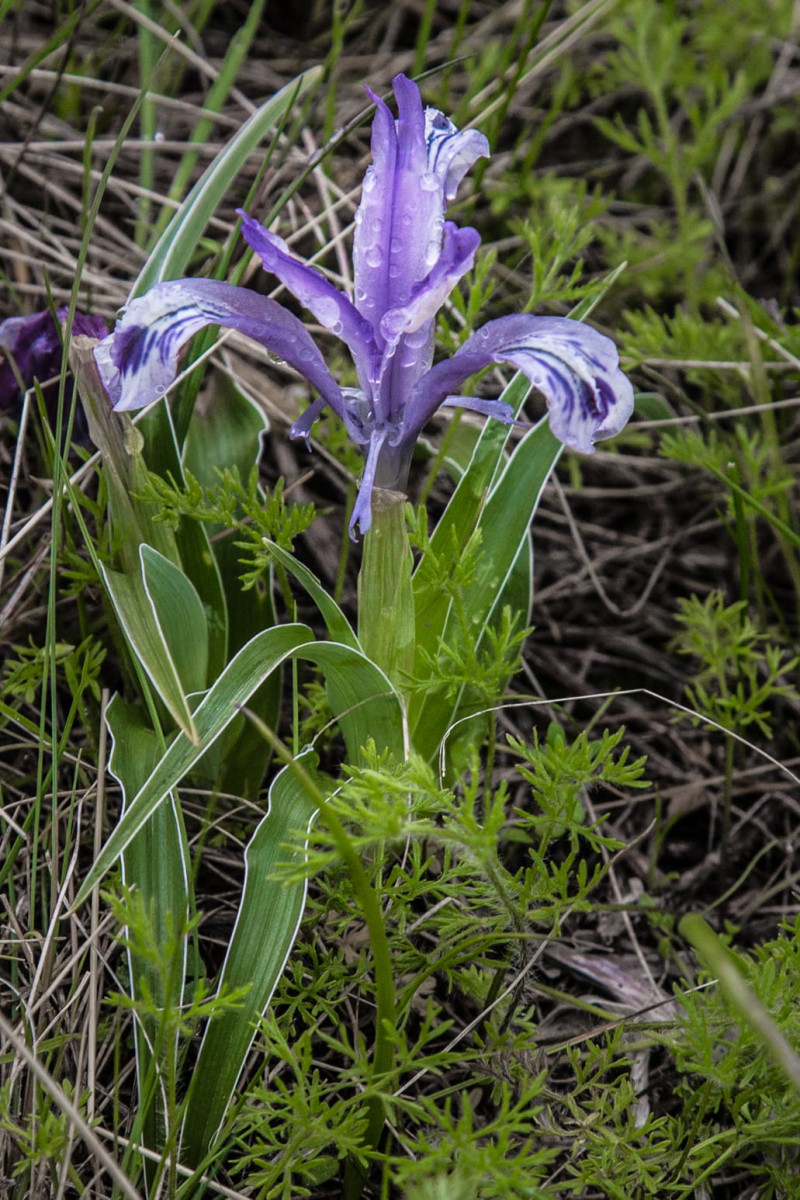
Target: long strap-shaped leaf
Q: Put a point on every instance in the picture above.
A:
(504, 523)
(156, 863)
(165, 623)
(456, 524)
(360, 695)
(338, 626)
(266, 926)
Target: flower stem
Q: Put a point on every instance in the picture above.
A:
(385, 594)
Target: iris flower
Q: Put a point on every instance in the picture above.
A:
(407, 259)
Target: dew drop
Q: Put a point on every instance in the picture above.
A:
(374, 256)
(327, 311)
(433, 252)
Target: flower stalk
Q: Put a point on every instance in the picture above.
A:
(385, 595)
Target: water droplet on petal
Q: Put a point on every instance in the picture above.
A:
(428, 182)
(327, 311)
(374, 256)
(433, 252)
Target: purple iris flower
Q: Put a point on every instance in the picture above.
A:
(407, 259)
(34, 345)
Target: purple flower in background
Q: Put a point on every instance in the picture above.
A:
(34, 346)
(407, 259)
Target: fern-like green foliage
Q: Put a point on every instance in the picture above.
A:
(740, 672)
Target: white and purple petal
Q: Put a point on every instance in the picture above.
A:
(451, 152)
(139, 360)
(573, 366)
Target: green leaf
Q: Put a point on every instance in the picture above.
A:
(164, 621)
(730, 971)
(181, 617)
(338, 626)
(227, 433)
(503, 574)
(174, 249)
(266, 926)
(653, 406)
(359, 693)
(156, 865)
(460, 519)
(506, 519)
(196, 556)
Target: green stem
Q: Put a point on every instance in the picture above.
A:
(385, 594)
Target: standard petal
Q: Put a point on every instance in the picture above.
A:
(374, 217)
(332, 308)
(419, 161)
(457, 257)
(139, 360)
(451, 152)
(575, 367)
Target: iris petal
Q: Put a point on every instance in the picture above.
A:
(575, 367)
(407, 259)
(457, 257)
(451, 151)
(362, 509)
(332, 308)
(139, 361)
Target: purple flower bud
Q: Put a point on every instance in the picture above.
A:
(33, 345)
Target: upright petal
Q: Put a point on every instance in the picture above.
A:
(419, 161)
(139, 360)
(575, 367)
(451, 152)
(427, 297)
(374, 217)
(332, 308)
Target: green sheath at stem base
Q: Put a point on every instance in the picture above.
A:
(385, 596)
